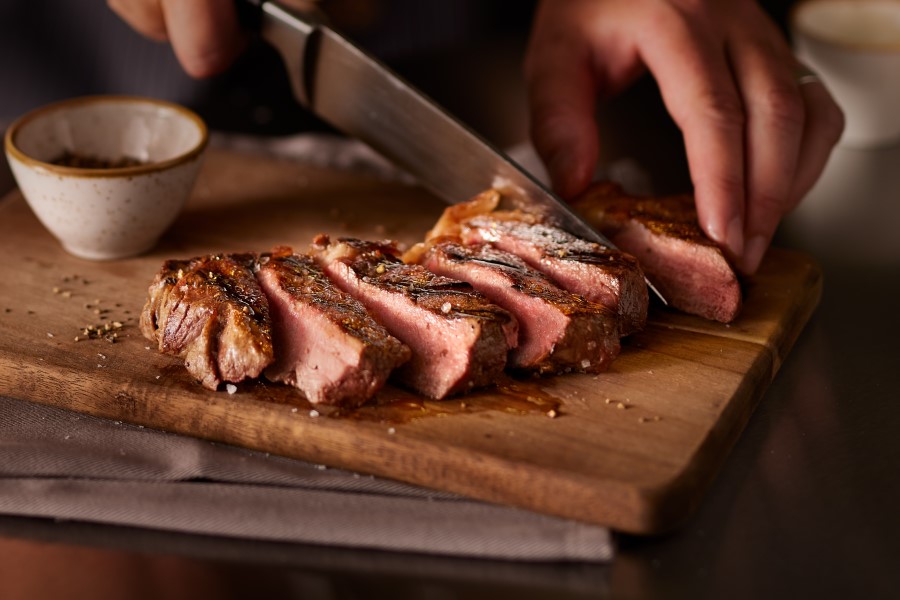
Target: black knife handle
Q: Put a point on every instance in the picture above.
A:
(249, 14)
(292, 31)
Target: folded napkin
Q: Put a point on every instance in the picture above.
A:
(63, 465)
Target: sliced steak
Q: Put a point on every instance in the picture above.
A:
(211, 312)
(598, 273)
(558, 331)
(326, 344)
(664, 234)
(459, 339)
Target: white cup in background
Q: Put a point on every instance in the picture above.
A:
(854, 46)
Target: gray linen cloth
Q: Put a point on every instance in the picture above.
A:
(63, 465)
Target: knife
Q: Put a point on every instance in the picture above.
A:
(349, 89)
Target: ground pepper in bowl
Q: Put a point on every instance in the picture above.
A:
(83, 161)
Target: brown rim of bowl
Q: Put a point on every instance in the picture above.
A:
(13, 149)
(858, 46)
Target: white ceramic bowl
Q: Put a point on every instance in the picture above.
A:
(854, 46)
(106, 210)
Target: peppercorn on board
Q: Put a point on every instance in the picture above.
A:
(633, 448)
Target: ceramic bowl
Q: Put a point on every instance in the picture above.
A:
(107, 175)
(854, 46)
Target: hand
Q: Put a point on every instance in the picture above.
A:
(205, 34)
(756, 139)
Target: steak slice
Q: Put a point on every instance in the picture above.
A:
(600, 274)
(558, 331)
(663, 233)
(211, 312)
(459, 340)
(326, 344)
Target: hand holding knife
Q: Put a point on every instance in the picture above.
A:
(351, 90)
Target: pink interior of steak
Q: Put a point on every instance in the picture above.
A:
(599, 274)
(693, 278)
(311, 352)
(558, 331)
(663, 233)
(326, 342)
(458, 340)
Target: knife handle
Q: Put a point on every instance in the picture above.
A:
(292, 31)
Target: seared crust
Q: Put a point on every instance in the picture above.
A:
(558, 331)
(600, 274)
(211, 312)
(689, 269)
(607, 205)
(326, 343)
(458, 338)
(596, 272)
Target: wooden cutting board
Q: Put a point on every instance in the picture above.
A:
(633, 448)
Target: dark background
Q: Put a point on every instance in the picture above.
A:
(54, 49)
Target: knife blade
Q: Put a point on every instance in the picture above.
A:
(351, 90)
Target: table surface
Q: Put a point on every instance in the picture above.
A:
(805, 505)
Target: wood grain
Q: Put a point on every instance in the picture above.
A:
(633, 448)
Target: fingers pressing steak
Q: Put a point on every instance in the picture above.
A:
(664, 234)
(211, 312)
(326, 344)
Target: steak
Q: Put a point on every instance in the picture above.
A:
(211, 312)
(664, 234)
(326, 344)
(558, 331)
(459, 339)
(598, 273)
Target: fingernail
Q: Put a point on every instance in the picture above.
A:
(756, 248)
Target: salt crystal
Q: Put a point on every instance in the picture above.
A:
(230, 388)
(313, 413)
(446, 307)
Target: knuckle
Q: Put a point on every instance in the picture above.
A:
(722, 108)
(783, 105)
(767, 202)
(730, 186)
